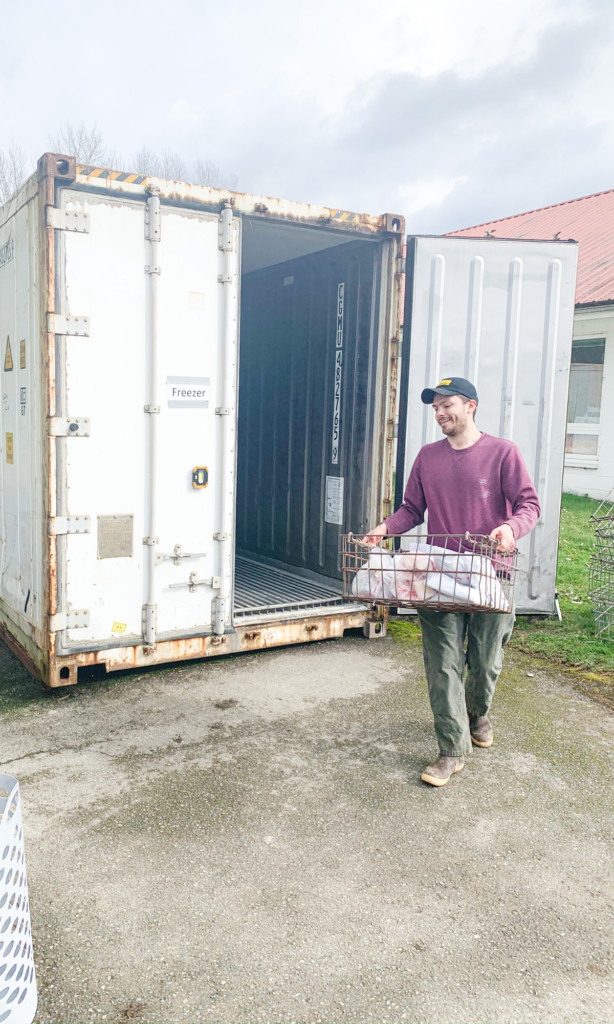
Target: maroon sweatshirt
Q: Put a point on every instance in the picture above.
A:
(475, 489)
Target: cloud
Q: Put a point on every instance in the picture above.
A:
(511, 138)
(451, 112)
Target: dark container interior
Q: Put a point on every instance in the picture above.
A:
(289, 358)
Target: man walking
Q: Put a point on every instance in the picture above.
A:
(476, 482)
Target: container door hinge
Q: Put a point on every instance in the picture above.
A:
(224, 234)
(153, 270)
(221, 411)
(71, 326)
(153, 220)
(77, 618)
(401, 264)
(224, 278)
(192, 583)
(149, 624)
(59, 525)
(151, 408)
(220, 536)
(67, 220)
(62, 426)
(217, 614)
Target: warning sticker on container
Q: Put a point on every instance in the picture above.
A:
(8, 356)
(333, 512)
(118, 627)
(188, 392)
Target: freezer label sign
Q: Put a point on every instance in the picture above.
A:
(188, 392)
(338, 368)
(333, 512)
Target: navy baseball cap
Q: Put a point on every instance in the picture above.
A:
(450, 386)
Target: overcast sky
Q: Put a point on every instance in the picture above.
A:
(451, 112)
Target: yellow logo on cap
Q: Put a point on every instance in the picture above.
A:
(444, 383)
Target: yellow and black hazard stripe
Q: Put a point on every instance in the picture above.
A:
(343, 215)
(104, 172)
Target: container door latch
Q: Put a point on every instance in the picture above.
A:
(193, 583)
(177, 556)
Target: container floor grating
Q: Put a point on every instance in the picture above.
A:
(264, 589)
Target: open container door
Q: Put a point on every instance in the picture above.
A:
(500, 313)
(145, 407)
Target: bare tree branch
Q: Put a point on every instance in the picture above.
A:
(208, 173)
(85, 144)
(147, 163)
(172, 166)
(13, 171)
(166, 165)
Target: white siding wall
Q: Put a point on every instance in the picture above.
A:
(597, 482)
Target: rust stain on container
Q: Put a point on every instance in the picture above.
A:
(274, 634)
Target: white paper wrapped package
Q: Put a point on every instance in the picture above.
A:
(424, 573)
(18, 995)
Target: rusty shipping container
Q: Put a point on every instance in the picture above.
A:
(199, 394)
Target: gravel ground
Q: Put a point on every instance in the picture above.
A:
(248, 840)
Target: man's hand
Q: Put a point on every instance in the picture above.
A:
(375, 534)
(504, 535)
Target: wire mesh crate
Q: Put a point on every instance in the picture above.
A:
(450, 572)
(601, 588)
(604, 542)
(601, 570)
(605, 512)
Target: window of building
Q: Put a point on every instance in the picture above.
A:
(584, 406)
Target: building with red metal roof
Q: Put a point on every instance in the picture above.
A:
(589, 221)
(589, 452)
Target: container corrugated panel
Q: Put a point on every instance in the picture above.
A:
(290, 380)
(500, 313)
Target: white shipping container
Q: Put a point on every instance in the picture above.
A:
(144, 518)
(199, 393)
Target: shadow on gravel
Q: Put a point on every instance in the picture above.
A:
(19, 689)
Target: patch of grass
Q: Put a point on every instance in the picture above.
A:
(570, 642)
(406, 630)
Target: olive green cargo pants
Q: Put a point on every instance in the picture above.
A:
(462, 682)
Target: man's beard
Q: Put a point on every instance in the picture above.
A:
(453, 429)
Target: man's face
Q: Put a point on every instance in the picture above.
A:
(452, 413)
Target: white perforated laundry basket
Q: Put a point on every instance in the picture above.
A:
(17, 978)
